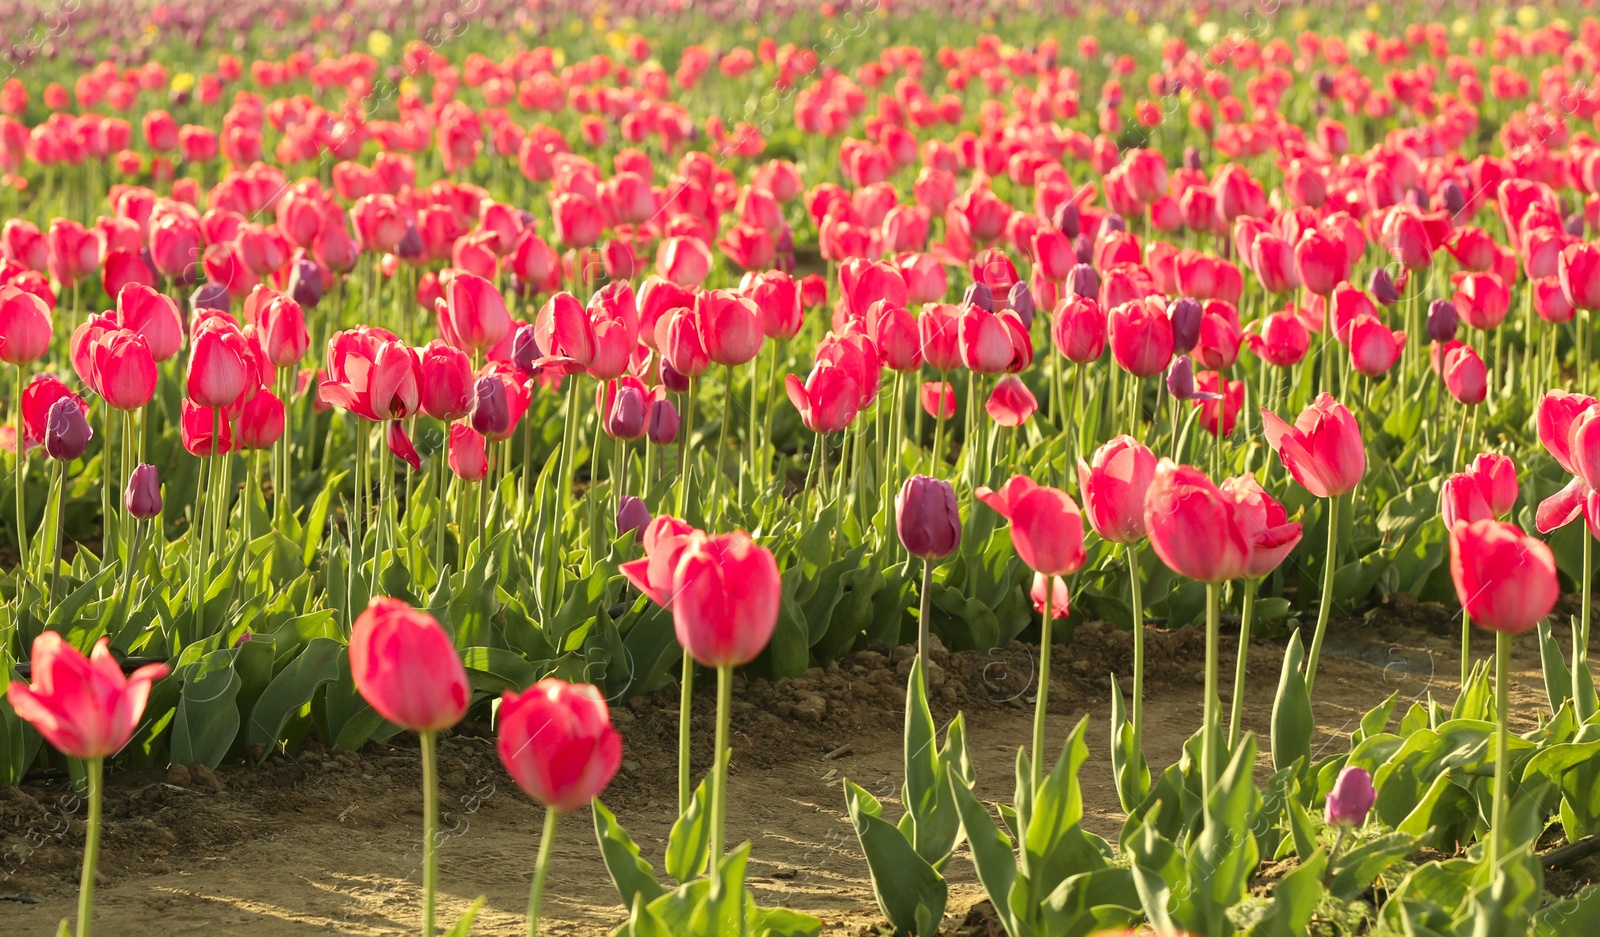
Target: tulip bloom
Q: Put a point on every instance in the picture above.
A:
(1046, 526)
(726, 593)
(261, 421)
(1464, 373)
(467, 454)
(1351, 799)
(219, 374)
(472, 314)
(938, 399)
(142, 500)
(1374, 347)
(1141, 338)
(828, 399)
(24, 326)
(1078, 329)
(1323, 450)
(557, 742)
(1280, 339)
(84, 707)
(1579, 272)
(1504, 579)
(1113, 487)
(1011, 403)
(927, 517)
(372, 374)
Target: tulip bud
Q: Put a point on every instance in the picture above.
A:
(66, 431)
(1352, 798)
(1417, 197)
(1083, 248)
(1324, 83)
(632, 515)
(1113, 222)
(1192, 158)
(1083, 281)
(491, 412)
(1451, 195)
(305, 282)
(626, 417)
(143, 497)
(525, 350)
(673, 379)
(1066, 219)
(927, 517)
(1442, 320)
(1020, 301)
(1574, 224)
(1382, 287)
(210, 295)
(978, 295)
(664, 422)
(1185, 314)
(1180, 378)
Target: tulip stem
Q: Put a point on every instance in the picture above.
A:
(685, 714)
(61, 522)
(1138, 643)
(722, 442)
(95, 770)
(938, 430)
(22, 464)
(430, 829)
(1502, 745)
(1466, 648)
(685, 464)
(541, 866)
(1042, 703)
(1236, 707)
(1330, 563)
(1582, 699)
(719, 769)
(1212, 739)
(926, 598)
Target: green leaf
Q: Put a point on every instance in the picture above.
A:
(629, 872)
(463, 925)
(1292, 721)
(991, 854)
(1557, 678)
(689, 844)
(1361, 866)
(910, 892)
(1294, 901)
(1128, 764)
(291, 690)
(207, 719)
(1092, 902)
(1055, 844)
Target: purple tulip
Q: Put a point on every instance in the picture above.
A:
(1352, 798)
(66, 431)
(491, 412)
(927, 517)
(143, 497)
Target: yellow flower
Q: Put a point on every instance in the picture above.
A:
(1460, 26)
(1208, 32)
(379, 43)
(1529, 17)
(1132, 16)
(183, 81)
(1374, 12)
(1158, 33)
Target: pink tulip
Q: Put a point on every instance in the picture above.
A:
(1046, 526)
(1194, 527)
(24, 326)
(556, 741)
(405, 666)
(1113, 488)
(83, 706)
(1011, 403)
(726, 594)
(1504, 579)
(1556, 414)
(664, 540)
(1323, 450)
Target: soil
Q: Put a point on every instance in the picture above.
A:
(329, 842)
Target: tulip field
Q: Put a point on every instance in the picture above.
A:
(631, 404)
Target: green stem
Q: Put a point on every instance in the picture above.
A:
(91, 847)
(1236, 708)
(1042, 703)
(938, 430)
(1580, 642)
(1330, 562)
(1502, 747)
(1466, 648)
(540, 868)
(22, 464)
(719, 768)
(1213, 704)
(61, 522)
(926, 598)
(1138, 643)
(430, 829)
(685, 718)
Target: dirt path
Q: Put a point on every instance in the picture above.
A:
(328, 842)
